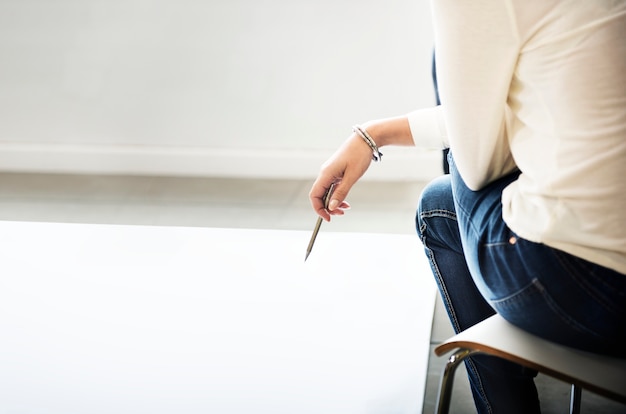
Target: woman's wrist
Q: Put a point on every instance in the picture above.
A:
(389, 131)
(367, 138)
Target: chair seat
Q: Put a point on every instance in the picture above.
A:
(495, 336)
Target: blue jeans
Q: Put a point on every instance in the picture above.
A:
(482, 267)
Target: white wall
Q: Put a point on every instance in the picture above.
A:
(230, 87)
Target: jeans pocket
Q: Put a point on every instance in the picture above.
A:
(501, 265)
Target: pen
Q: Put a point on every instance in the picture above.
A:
(318, 223)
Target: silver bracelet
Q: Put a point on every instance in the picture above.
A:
(376, 154)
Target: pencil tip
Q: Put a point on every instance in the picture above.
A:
(307, 256)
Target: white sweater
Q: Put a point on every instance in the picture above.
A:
(538, 85)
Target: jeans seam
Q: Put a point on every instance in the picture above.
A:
(470, 223)
(541, 290)
(497, 244)
(431, 259)
(444, 289)
(584, 282)
(438, 213)
(470, 364)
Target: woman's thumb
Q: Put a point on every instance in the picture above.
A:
(339, 194)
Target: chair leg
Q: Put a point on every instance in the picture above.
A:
(575, 399)
(447, 379)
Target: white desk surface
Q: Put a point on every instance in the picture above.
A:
(135, 319)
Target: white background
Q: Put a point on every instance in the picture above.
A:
(234, 87)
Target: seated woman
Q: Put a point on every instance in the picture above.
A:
(531, 220)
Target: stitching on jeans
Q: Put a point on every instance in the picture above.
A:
(444, 289)
(438, 213)
(522, 292)
(422, 229)
(452, 313)
(431, 259)
(470, 223)
(583, 281)
(469, 363)
(560, 313)
(534, 287)
(497, 244)
(481, 388)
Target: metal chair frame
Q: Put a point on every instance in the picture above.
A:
(603, 375)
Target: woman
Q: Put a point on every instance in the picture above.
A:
(531, 220)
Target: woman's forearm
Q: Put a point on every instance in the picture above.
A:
(390, 131)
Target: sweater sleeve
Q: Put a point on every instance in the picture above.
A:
(477, 45)
(428, 128)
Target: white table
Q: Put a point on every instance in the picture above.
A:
(132, 319)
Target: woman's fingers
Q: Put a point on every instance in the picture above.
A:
(318, 194)
(343, 170)
(340, 210)
(342, 189)
(325, 213)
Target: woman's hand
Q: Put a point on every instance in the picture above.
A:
(343, 168)
(350, 162)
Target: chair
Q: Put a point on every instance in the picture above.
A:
(495, 336)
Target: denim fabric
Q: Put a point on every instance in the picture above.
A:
(481, 267)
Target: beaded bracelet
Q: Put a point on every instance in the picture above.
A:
(376, 154)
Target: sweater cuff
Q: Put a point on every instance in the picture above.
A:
(428, 128)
